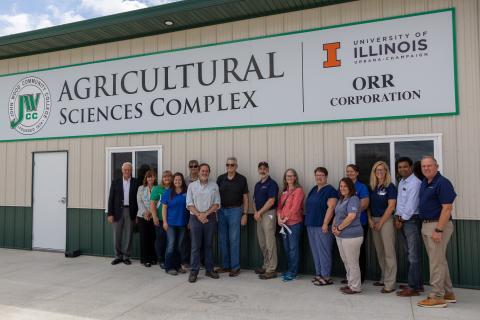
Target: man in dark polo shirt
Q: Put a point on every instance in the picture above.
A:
(435, 209)
(234, 196)
(264, 205)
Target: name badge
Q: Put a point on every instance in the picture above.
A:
(382, 192)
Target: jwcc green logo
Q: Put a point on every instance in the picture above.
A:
(29, 105)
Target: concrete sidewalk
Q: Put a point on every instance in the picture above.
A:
(40, 285)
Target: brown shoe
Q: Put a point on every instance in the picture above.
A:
(221, 270)
(379, 284)
(385, 290)
(403, 286)
(350, 291)
(259, 271)
(268, 275)
(407, 292)
(344, 288)
(234, 272)
(450, 297)
(432, 303)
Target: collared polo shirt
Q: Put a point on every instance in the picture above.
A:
(343, 208)
(361, 190)
(156, 195)
(379, 199)
(202, 196)
(177, 213)
(433, 195)
(232, 190)
(264, 191)
(316, 205)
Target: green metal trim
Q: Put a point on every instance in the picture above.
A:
(452, 10)
(16, 227)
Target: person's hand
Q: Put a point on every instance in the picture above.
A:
(202, 217)
(136, 220)
(398, 224)
(147, 215)
(156, 222)
(279, 222)
(335, 231)
(436, 236)
(244, 220)
(110, 219)
(165, 225)
(377, 226)
(371, 224)
(257, 216)
(325, 228)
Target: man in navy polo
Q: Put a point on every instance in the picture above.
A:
(435, 209)
(264, 204)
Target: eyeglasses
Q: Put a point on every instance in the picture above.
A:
(193, 167)
(230, 164)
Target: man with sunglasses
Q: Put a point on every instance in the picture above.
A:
(234, 196)
(193, 176)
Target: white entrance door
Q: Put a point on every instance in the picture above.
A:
(49, 200)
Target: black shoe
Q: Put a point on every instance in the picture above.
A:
(116, 261)
(268, 275)
(153, 263)
(344, 281)
(162, 265)
(148, 264)
(234, 272)
(127, 262)
(259, 271)
(212, 274)
(192, 278)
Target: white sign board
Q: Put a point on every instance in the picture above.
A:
(396, 67)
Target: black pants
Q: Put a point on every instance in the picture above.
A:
(147, 240)
(363, 252)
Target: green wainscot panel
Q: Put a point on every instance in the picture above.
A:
(16, 227)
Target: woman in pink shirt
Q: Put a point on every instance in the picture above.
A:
(290, 218)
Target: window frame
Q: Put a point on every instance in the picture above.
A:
(391, 139)
(132, 149)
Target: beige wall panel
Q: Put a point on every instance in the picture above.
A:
(75, 56)
(352, 129)
(86, 177)
(188, 38)
(74, 163)
(276, 151)
(224, 32)
(97, 164)
(371, 9)
(54, 59)
(398, 126)
(256, 27)
(410, 6)
(274, 24)
(225, 146)
(314, 155)
(295, 150)
(41, 145)
(334, 150)
(99, 52)
(20, 174)
(351, 12)
(178, 154)
(32, 62)
(13, 65)
(209, 150)
(136, 140)
(292, 21)
(65, 57)
(330, 15)
(43, 61)
(3, 172)
(137, 46)
(259, 152)
(311, 18)
(22, 64)
(4, 66)
(240, 29)
(165, 139)
(52, 144)
(164, 42)
(123, 141)
(193, 146)
(10, 174)
(150, 44)
(124, 48)
(111, 50)
(441, 4)
(150, 139)
(375, 128)
(208, 35)
(419, 125)
(241, 147)
(29, 149)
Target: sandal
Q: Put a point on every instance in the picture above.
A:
(315, 279)
(323, 282)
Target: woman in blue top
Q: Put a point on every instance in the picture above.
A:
(361, 190)
(319, 209)
(175, 220)
(349, 234)
(383, 198)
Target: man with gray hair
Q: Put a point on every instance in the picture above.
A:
(122, 210)
(234, 196)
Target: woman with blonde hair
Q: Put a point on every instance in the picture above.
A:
(383, 198)
(290, 218)
(156, 209)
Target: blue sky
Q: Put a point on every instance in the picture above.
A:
(24, 15)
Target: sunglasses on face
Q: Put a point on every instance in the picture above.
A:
(230, 164)
(193, 166)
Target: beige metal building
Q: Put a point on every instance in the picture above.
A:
(453, 139)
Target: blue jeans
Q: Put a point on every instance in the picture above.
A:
(411, 234)
(202, 238)
(321, 245)
(291, 244)
(175, 236)
(229, 236)
(160, 242)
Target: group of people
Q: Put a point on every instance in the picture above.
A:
(179, 208)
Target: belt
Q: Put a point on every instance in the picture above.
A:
(428, 221)
(231, 207)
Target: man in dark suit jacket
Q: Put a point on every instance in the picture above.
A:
(122, 210)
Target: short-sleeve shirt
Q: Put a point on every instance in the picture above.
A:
(316, 205)
(343, 208)
(264, 191)
(361, 191)
(433, 195)
(156, 195)
(202, 195)
(177, 213)
(379, 199)
(232, 190)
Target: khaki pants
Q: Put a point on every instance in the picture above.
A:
(437, 256)
(384, 241)
(267, 241)
(349, 249)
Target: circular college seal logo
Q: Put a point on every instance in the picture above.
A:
(29, 105)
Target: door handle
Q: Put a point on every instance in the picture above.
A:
(63, 200)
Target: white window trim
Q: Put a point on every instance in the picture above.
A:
(436, 137)
(108, 163)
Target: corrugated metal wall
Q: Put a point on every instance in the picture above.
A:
(302, 147)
